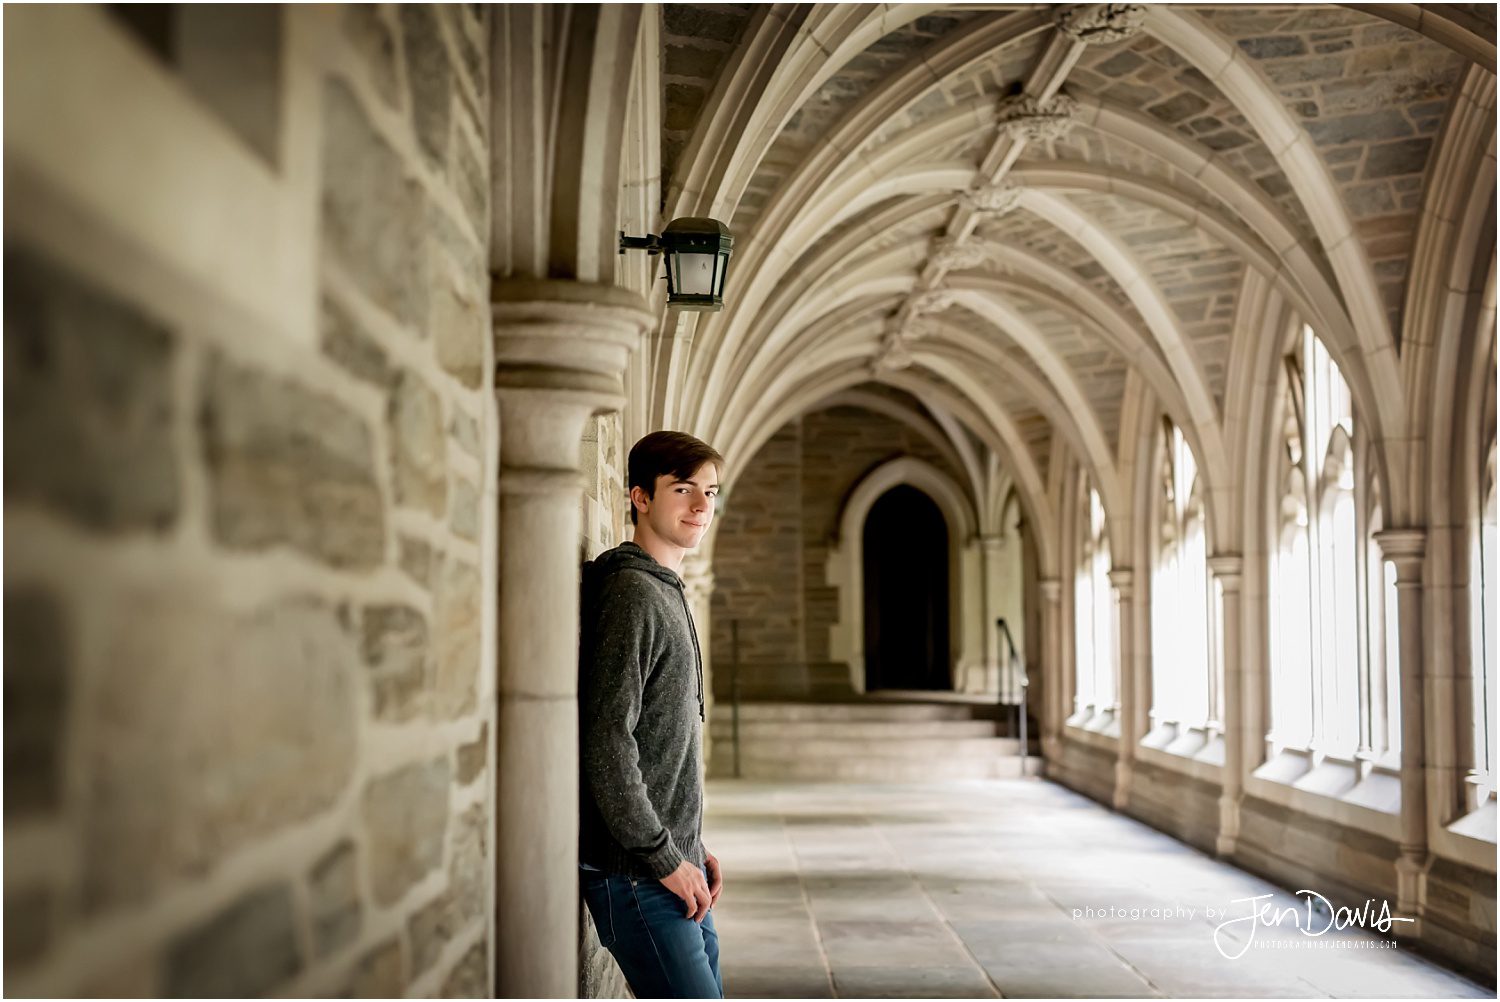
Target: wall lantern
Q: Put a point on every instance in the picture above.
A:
(697, 250)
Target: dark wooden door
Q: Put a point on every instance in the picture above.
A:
(906, 593)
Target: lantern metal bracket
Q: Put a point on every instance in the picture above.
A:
(650, 243)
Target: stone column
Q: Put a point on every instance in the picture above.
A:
(698, 582)
(1226, 570)
(560, 350)
(1405, 548)
(992, 550)
(1127, 695)
(1056, 691)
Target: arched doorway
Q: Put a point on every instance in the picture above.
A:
(906, 593)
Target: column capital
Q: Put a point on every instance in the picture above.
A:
(1405, 548)
(1227, 568)
(1122, 578)
(561, 349)
(559, 335)
(1051, 589)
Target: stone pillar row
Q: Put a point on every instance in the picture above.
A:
(561, 349)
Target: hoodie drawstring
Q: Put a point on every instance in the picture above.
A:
(697, 651)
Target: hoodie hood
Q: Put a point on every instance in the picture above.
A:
(625, 556)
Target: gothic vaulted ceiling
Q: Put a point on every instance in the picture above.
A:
(1017, 215)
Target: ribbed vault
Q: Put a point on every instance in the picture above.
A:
(906, 215)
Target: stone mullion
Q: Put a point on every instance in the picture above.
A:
(561, 349)
(1405, 548)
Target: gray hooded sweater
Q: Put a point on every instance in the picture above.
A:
(640, 718)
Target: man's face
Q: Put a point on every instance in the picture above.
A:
(681, 510)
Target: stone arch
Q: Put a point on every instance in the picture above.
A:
(1453, 235)
(946, 440)
(851, 346)
(1368, 356)
(845, 567)
(1059, 396)
(1462, 403)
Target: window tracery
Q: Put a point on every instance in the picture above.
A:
(1334, 681)
(1184, 690)
(1096, 689)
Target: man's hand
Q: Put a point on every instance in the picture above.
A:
(688, 884)
(715, 877)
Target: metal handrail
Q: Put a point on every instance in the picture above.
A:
(734, 692)
(1011, 664)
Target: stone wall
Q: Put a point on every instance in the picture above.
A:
(780, 519)
(758, 559)
(839, 447)
(606, 523)
(250, 442)
(1182, 806)
(606, 505)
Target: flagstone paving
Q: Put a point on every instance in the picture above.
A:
(1008, 888)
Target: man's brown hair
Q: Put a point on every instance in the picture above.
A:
(667, 454)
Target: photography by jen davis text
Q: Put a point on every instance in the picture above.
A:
(1235, 924)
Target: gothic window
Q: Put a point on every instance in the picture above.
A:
(1482, 618)
(1333, 680)
(1094, 664)
(1183, 689)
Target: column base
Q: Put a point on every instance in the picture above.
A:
(1123, 774)
(1411, 892)
(1229, 826)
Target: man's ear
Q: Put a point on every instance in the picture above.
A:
(637, 498)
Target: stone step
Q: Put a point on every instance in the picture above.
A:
(818, 691)
(888, 730)
(787, 682)
(913, 748)
(868, 711)
(868, 769)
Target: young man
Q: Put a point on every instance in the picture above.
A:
(646, 877)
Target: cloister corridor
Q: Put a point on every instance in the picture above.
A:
(979, 889)
(1100, 412)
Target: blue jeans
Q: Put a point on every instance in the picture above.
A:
(663, 953)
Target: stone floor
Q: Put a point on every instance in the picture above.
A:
(1006, 888)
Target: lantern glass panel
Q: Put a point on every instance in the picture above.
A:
(695, 273)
